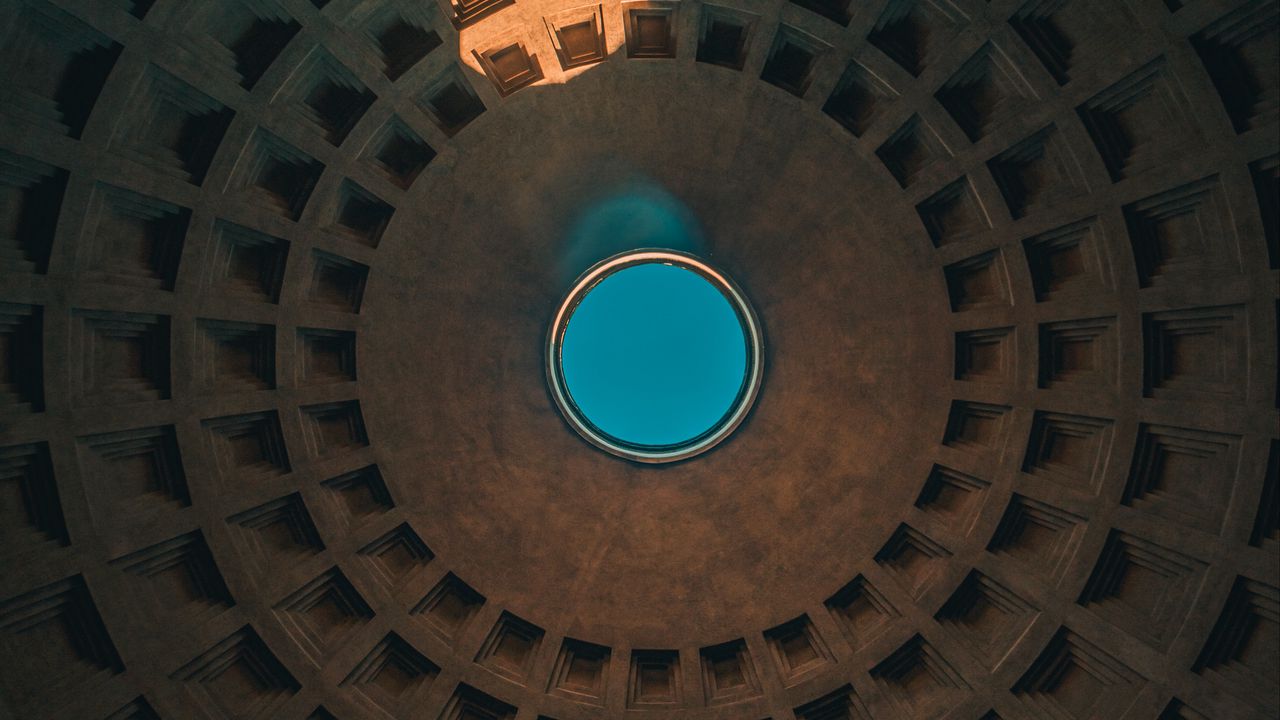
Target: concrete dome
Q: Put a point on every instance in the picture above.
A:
(276, 439)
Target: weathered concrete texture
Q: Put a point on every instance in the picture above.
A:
(275, 436)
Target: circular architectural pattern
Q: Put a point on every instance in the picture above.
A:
(654, 356)
(275, 433)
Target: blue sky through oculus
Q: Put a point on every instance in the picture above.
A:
(654, 355)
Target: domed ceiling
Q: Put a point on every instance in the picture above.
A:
(276, 440)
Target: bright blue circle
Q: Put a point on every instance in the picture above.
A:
(654, 354)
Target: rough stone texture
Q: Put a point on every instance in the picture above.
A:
(275, 439)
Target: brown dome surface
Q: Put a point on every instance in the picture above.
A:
(275, 434)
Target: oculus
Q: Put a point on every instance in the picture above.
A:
(654, 356)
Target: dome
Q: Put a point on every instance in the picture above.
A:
(277, 437)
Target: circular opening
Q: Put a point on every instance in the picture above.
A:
(654, 355)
